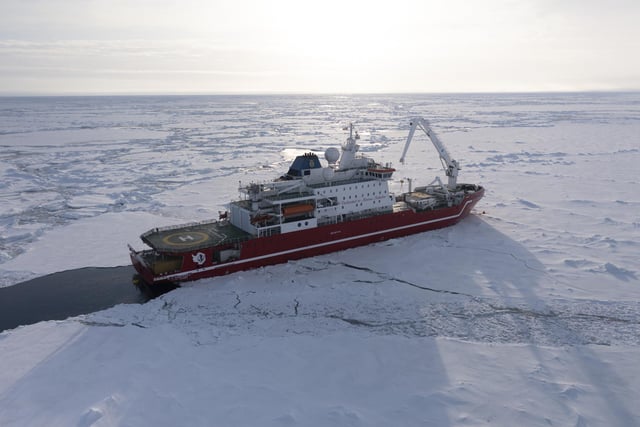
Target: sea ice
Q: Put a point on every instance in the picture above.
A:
(526, 313)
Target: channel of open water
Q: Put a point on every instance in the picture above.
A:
(69, 293)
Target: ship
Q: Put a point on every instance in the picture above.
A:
(312, 209)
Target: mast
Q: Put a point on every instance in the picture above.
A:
(349, 149)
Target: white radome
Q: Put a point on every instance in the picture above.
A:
(332, 155)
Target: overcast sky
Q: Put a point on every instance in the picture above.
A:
(255, 46)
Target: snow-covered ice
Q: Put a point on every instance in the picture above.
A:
(527, 313)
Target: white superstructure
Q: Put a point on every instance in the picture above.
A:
(310, 194)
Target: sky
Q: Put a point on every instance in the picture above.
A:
(328, 46)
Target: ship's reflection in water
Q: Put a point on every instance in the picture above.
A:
(70, 293)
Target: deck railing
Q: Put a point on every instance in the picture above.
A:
(177, 226)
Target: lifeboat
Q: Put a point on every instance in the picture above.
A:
(296, 210)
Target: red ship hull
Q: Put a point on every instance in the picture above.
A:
(281, 248)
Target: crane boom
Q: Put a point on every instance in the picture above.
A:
(449, 165)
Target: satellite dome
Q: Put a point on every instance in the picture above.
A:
(332, 155)
(328, 174)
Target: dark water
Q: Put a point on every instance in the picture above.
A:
(70, 293)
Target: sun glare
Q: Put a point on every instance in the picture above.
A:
(340, 45)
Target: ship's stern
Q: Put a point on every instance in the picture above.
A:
(143, 269)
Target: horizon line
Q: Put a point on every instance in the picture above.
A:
(301, 93)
